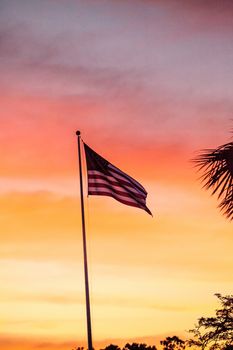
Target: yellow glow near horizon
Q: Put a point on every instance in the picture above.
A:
(140, 272)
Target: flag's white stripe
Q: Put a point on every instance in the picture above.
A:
(115, 195)
(124, 201)
(118, 191)
(110, 178)
(117, 187)
(116, 177)
(121, 177)
(125, 175)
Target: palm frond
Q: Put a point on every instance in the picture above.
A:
(217, 167)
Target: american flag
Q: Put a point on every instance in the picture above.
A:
(104, 179)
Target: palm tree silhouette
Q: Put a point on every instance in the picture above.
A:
(217, 167)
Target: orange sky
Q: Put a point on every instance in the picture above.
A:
(148, 85)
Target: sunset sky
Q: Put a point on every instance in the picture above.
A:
(149, 84)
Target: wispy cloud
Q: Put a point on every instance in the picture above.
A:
(99, 300)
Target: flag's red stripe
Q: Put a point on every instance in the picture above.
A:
(111, 180)
(121, 177)
(119, 172)
(126, 189)
(117, 185)
(95, 174)
(113, 195)
(121, 192)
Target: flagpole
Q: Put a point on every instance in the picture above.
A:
(88, 311)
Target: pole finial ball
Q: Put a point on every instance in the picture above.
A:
(78, 133)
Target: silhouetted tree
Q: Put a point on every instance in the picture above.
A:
(228, 347)
(217, 166)
(137, 346)
(173, 343)
(111, 347)
(215, 332)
